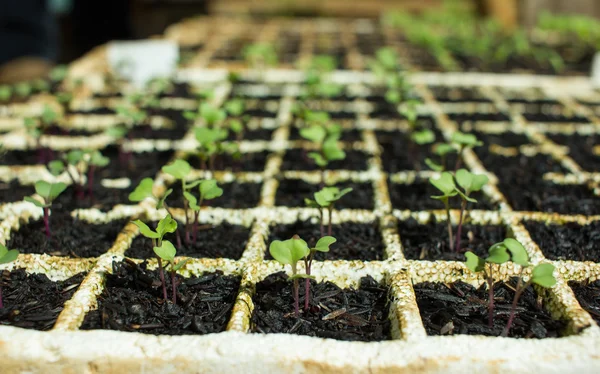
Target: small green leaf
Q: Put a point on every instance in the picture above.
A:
(236, 126)
(161, 202)
(433, 165)
(192, 201)
(180, 264)
(235, 107)
(75, 156)
(179, 169)
(7, 256)
(442, 149)
(97, 159)
(314, 133)
(166, 225)
(518, 253)
(289, 251)
(394, 97)
(332, 150)
(142, 191)
(301, 276)
(35, 202)
(466, 140)
(319, 160)
(166, 251)
(211, 114)
(324, 243)
(474, 262)
(49, 191)
(445, 183)
(479, 180)
(423, 137)
(543, 275)
(464, 178)
(145, 230)
(56, 167)
(498, 254)
(209, 189)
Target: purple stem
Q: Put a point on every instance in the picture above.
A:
(162, 278)
(296, 297)
(91, 181)
(490, 281)
(307, 281)
(460, 222)
(330, 222)
(513, 308)
(47, 222)
(174, 285)
(449, 223)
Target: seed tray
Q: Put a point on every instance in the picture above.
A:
(67, 348)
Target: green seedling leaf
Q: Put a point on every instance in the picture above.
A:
(211, 114)
(5, 92)
(166, 251)
(192, 201)
(518, 253)
(235, 107)
(97, 159)
(166, 225)
(145, 230)
(180, 264)
(7, 255)
(289, 251)
(142, 191)
(470, 182)
(35, 202)
(161, 202)
(117, 132)
(433, 165)
(325, 196)
(56, 167)
(387, 57)
(236, 126)
(75, 156)
(442, 149)
(49, 191)
(48, 115)
(474, 262)
(314, 133)
(324, 243)
(189, 115)
(316, 118)
(543, 275)
(466, 140)
(394, 97)
(206, 136)
(423, 137)
(444, 183)
(319, 160)
(178, 169)
(332, 150)
(498, 254)
(59, 73)
(209, 189)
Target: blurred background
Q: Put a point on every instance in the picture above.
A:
(35, 34)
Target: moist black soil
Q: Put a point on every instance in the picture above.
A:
(132, 301)
(11, 158)
(249, 162)
(461, 309)
(292, 192)
(569, 241)
(32, 301)
(505, 139)
(463, 117)
(213, 241)
(14, 191)
(353, 135)
(430, 241)
(560, 118)
(355, 241)
(458, 94)
(252, 134)
(102, 198)
(417, 196)
(588, 296)
(235, 196)
(297, 159)
(135, 166)
(581, 149)
(335, 313)
(70, 237)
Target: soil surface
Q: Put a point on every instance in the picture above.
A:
(505, 139)
(297, 159)
(461, 309)
(70, 237)
(13, 191)
(588, 296)
(430, 241)
(292, 192)
(335, 313)
(235, 196)
(11, 158)
(132, 301)
(417, 196)
(102, 198)
(224, 240)
(136, 166)
(463, 117)
(355, 241)
(250, 162)
(353, 135)
(581, 149)
(567, 242)
(32, 301)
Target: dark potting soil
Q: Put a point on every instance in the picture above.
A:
(139, 166)
(355, 241)
(353, 135)
(102, 198)
(417, 196)
(10, 158)
(14, 191)
(335, 313)
(70, 237)
(458, 94)
(463, 117)
(297, 159)
(569, 241)
(32, 301)
(249, 162)
(399, 153)
(235, 196)
(588, 296)
(252, 134)
(547, 117)
(292, 192)
(430, 241)
(505, 139)
(461, 309)
(213, 241)
(132, 300)
(581, 149)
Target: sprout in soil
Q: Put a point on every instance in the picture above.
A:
(211, 143)
(463, 141)
(318, 83)
(180, 170)
(23, 89)
(326, 142)
(58, 73)
(499, 253)
(445, 183)
(208, 190)
(470, 183)
(419, 138)
(208, 112)
(161, 248)
(6, 256)
(78, 163)
(5, 92)
(442, 150)
(37, 127)
(48, 192)
(260, 55)
(235, 108)
(322, 245)
(325, 199)
(290, 252)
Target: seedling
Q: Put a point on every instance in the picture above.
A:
(82, 162)
(5, 92)
(326, 141)
(6, 256)
(423, 137)
(48, 192)
(260, 55)
(499, 253)
(235, 108)
(208, 112)
(162, 248)
(208, 190)
(290, 252)
(325, 199)
(442, 150)
(463, 141)
(59, 73)
(211, 144)
(322, 245)
(317, 73)
(37, 127)
(409, 109)
(470, 183)
(445, 183)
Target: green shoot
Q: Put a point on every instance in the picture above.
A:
(211, 144)
(325, 199)
(161, 248)
(5, 93)
(442, 150)
(6, 256)
(470, 183)
(445, 183)
(235, 108)
(463, 141)
(48, 192)
(326, 142)
(82, 162)
(208, 112)
(208, 190)
(318, 83)
(260, 55)
(322, 246)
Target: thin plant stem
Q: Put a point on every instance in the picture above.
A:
(463, 206)
(490, 280)
(308, 264)
(91, 181)
(518, 292)
(296, 295)
(322, 225)
(459, 159)
(162, 278)
(449, 223)
(173, 285)
(329, 228)
(177, 235)
(47, 221)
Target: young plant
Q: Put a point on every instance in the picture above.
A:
(6, 256)
(317, 74)
(499, 253)
(37, 127)
(208, 190)
(212, 143)
(322, 245)
(235, 108)
(445, 183)
(260, 55)
(208, 112)
(470, 183)
(5, 93)
(325, 199)
(162, 248)
(326, 142)
(82, 163)
(442, 150)
(463, 141)
(48, 192)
